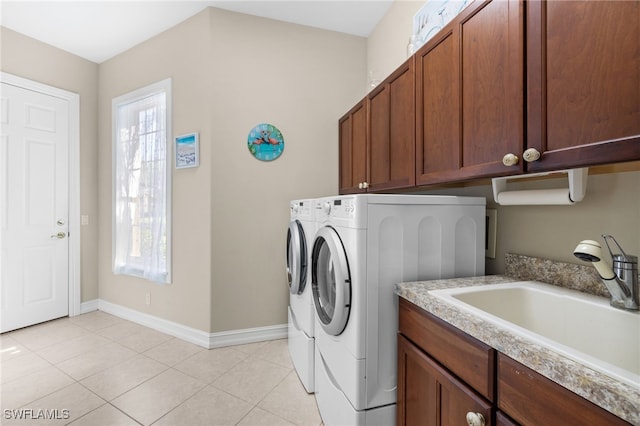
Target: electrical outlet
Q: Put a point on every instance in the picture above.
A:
(148, 299)
(84, 219)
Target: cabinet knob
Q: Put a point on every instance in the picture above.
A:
(360, 185)
(510, 160)
(475, 419)
(530, 155)
(365, 185)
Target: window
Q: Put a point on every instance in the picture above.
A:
(142, 183)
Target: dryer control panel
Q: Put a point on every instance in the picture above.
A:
(340, 211)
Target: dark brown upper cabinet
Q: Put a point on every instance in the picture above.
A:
(353, 149)
(391, 131)
(377, 137)
(583, 83)
(470, 95)
(507, 87)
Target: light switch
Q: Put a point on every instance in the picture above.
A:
(84, 219)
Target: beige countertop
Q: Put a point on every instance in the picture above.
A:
(613, 395)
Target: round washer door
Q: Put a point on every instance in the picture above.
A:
(296, 258)
(331, 281)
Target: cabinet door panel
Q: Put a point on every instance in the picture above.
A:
(438, 111)
(353, 144)
(492, 86)
(417, 388)
(584, 69)
(346, 146)
(379, 136)
(392, 131)
(470, 95)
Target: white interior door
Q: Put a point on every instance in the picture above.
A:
(34, 166)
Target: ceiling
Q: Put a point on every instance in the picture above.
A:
(98, 30)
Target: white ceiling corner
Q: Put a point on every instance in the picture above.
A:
(98, 30)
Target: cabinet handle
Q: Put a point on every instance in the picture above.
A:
(530, 155)
(510, 160)
(475, 419)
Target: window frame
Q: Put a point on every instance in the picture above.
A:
(163, 86)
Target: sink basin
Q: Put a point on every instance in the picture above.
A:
(581, 327)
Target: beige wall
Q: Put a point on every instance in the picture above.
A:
(387, 44)
(182, 54)
(612, 203)
(230, 72)
(31, 59)
(301, 80)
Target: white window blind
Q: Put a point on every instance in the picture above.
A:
(141, 183)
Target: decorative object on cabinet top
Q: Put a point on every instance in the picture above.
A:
(431, 18)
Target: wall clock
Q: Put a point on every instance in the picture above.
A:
(265, 142)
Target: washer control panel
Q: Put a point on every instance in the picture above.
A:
(301, 209)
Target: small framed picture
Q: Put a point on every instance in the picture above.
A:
(187, 151)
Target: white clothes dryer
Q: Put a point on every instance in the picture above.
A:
(301, 322)
(364, 245)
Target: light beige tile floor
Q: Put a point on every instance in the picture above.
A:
(97, 369)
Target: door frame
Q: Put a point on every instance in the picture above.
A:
(74, 178)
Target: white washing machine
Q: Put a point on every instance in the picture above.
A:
(302, 229)
(364, 245)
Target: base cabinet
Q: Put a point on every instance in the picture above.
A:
(437, 364)
(429, 395)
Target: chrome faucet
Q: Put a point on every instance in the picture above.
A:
(622, 281)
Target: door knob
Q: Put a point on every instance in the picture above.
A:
(59, 235)
(475, 419)
(510, 160)
(530, 155)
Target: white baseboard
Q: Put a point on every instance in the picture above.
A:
(189, 334)
(90, 306)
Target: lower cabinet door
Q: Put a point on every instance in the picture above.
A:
(429, 395)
